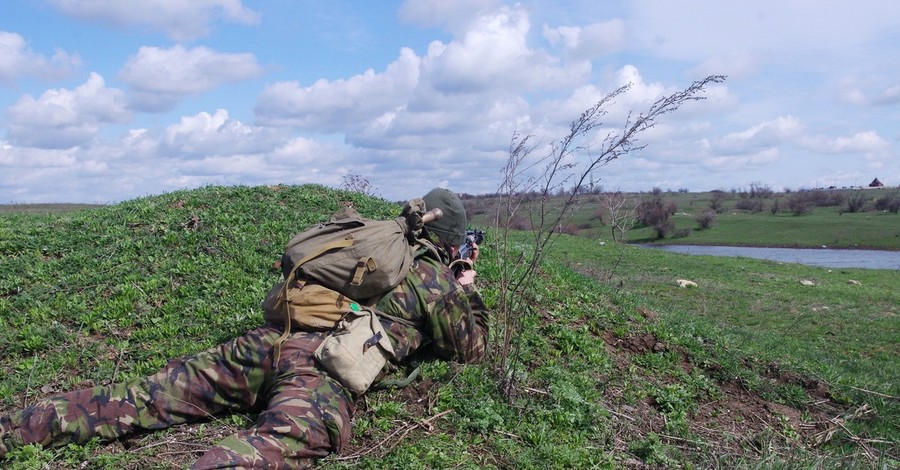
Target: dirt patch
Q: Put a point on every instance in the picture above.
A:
(738, 421)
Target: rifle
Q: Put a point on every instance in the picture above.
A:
(473, 237)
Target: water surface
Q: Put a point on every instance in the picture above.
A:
(823, 257)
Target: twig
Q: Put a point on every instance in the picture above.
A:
(883, 395)
(30, 376)
(629, 418)
(178, 452)
(508, 434)
(405, 429)
(149, 446)
(698, 444)
(118, 362)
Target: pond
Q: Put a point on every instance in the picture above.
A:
(823, 257)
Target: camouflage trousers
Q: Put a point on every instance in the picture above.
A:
(305, 413)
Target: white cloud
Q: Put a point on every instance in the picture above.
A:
(180, 20)
(63, 118)
(588, 42)
(215, 134)
(703, 29)
(738, 163)
(890, 95)
(764, 135)
(860, 142)
(736, 65)
(340, 105)
(868, 91)
(455, 14)
(18, 60)
(159, 78)
(493, 54)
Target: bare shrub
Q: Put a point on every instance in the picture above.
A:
(683, 233)
(569, 229)
(753, 205)
(889, 202)
(358, 184)
(761, 191)
(655, 212)
(823, 198)
(556, 172)
(707, 219)
(776, 206)
(856, 202)
(800, 203)
(622, 215)
(717, 201)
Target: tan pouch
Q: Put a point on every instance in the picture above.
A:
(311, 307)
(356, 351)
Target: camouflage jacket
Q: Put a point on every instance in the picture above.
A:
(451, 318)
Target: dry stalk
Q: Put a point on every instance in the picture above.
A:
(403, 431)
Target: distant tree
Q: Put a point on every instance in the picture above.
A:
(622, 213)
(655, 212)
(717, 201)
(759, 190)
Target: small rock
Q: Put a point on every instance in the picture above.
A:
(685, 283)
(806, 282)
(854, 282)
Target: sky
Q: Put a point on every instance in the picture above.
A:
(103, 101)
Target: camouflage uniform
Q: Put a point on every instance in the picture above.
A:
(305, 412)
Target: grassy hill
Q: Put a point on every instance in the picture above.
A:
(623, 368)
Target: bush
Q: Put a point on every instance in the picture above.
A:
(890, 203)
(753, 205)
(707, 219)
(654, 212)
(717, 202)
(683, 233)
(663, 229)
(569, 229)
(822, 198)
(856, 202)
(800, 203)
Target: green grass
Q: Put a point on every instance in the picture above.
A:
(59, 208)
(619, 367)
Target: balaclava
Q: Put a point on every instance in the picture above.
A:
(451, 228)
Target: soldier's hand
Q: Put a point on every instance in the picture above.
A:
(473, 254)
(466, 277)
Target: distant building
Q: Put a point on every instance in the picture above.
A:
(876, 184)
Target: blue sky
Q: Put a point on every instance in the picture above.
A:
(107, 100)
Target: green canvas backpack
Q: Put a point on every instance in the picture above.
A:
(353, 257)
(358, 257)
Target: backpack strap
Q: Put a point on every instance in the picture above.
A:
(291, 279)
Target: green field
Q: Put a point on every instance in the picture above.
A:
(832, 226)
(620, 367)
